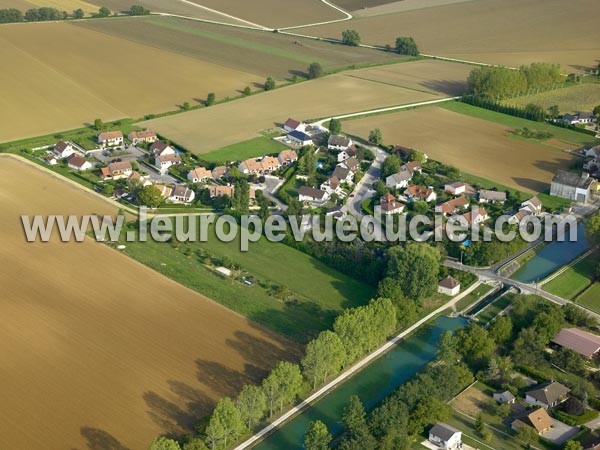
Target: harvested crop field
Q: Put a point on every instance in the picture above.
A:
(176, 7)
(100, 352)
(473, 145)
(91, 75)
(569, 100)
(261, 53)
(366, 8)
(275, 13)
(511, 32)
(212, 128)
(61, 5)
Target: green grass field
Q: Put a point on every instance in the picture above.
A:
(493, 309)
(473, 297)
(575, 279)
(320, 293)
(252, 148)
(573, 137)
(591, 298)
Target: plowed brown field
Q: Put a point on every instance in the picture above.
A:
(98, 351)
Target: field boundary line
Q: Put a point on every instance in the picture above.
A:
(206, 8)
(352, 371)
(384, 110)
(331, 5)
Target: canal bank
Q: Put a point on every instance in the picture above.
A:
(372, 384)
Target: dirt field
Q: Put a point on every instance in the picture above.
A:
(92, 75)
(266, 54)
(172, 7)
(366, 8)
(276, 13)
(472, 402)
(510, 32)
(100, 352)
(475, 146)
(209, 129)
(569, 100)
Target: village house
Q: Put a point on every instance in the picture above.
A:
(445, 437)
(307, 194)
(300, 138)
(476, 217)
(390, 205)
(219, 172)
(165, 191)
(531, 207)
(337, 212)
(405, 152)
(413, 167)
(592, 165)
(351, 164)
(142, 137)
(287, 158)
(220, 191)
(580, 341)
(456, 188)
(538, 419)
(199, 175)
(160, 148)
(50, 159)
(453, 206)
(261, 166)
(339, 143)
(181, 194)
(449, 286)
(582, 118)
(489, 196)
(343, 174)
(547, 395)
(77, 162)
(420, 193)
(116, 171)
(164, 162)
(350, 152)
(593, 152)
(136, 178)
(63, 150)
(332, 186)
(398, 180)
(294, 125)
(110, 139)
(504, 397)
(572, 186)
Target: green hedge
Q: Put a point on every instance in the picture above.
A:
(589, 414)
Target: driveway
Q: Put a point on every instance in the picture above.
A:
(560, 432)
(122, 153)
(156, 177)
(593, 424)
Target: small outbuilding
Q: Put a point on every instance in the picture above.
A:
(449, 286)
(504, 397)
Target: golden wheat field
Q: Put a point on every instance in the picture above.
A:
(98, 351)
(209, 129)
(90, 75)
(474, 145)
(511, 32)
(62, 5)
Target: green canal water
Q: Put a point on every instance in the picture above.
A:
(552, 257)
(372, 384)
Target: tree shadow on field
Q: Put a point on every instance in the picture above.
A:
(100, 440)
(298, 73)
(533, 185)
(446, 86)
(173, 420)
(224, 381)
(256, 351)
(196, 402)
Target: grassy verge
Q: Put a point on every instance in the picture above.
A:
(316, 293)
(493, 309)
(575, 279)
(467, 301)
(564, 134)
(252, 148)
(590, 298)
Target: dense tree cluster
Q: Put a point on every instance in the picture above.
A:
(407, 46)
(530, 111)
(501, 82)
(351, 37)
(10, 15)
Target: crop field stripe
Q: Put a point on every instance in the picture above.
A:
(238, 42)
(63, 76)
(223, 14)
(393, 84)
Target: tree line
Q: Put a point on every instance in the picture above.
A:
(13, 15)
(405, 45)
(356, 332)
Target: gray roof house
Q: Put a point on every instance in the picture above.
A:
(548, 395)
(572, 186)
(488, 196)
(445, 436)
(504, 397)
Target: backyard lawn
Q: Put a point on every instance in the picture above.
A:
(252, 148)
(315, 293)
(575, 279)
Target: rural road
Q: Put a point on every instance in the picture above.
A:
(352, 370)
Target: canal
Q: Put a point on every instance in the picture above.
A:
(552, 257)
(372, 384)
